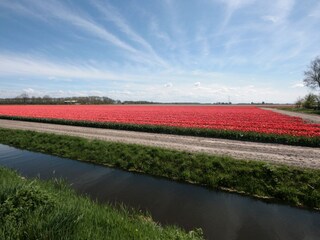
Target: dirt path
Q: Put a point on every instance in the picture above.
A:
(307, 117)
(276, 153)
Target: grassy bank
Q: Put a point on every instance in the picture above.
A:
(50, 210)
(299, 187)
(213, 133)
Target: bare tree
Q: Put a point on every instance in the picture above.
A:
(312, 75)
(46, 97)
(23, 97)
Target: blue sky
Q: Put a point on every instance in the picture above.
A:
(164, 50)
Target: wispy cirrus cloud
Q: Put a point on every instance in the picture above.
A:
(160, 34)
(315, 12)
(112, 14)
(231, 7)
(177, 31)
(35, 66)
(31, 65)
(279, 11)
(19, 65)
(22, 9)
(57, 10)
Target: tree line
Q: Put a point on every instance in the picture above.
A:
(26, 99)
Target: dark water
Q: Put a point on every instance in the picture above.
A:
(220, 215)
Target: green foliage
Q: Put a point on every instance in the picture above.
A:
(296, 186)
(27, 211)
(298, 103)
(22, 200)
(50, 210)
(213, 133)
(311, 101)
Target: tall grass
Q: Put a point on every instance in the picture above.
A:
(33, 209)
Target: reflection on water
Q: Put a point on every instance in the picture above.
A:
(220, 215)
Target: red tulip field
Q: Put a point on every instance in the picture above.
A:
(231, 118)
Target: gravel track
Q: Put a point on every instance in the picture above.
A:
(275, 153)
(307, 117)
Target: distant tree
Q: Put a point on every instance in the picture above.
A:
(299, 102)
(23, 97)
(46, 99)
(312, 80)
(312, 75)
(310, 101)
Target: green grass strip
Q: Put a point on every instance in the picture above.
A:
(291, 185)
(200, 132)
(34, 209)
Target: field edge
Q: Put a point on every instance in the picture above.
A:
(197, 132)
(270, 182)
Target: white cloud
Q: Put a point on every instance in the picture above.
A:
(297, 85)
(211, 93)
(168, 85)
(29, 91)
(72, 93)
(272, 19)
(180, 92)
